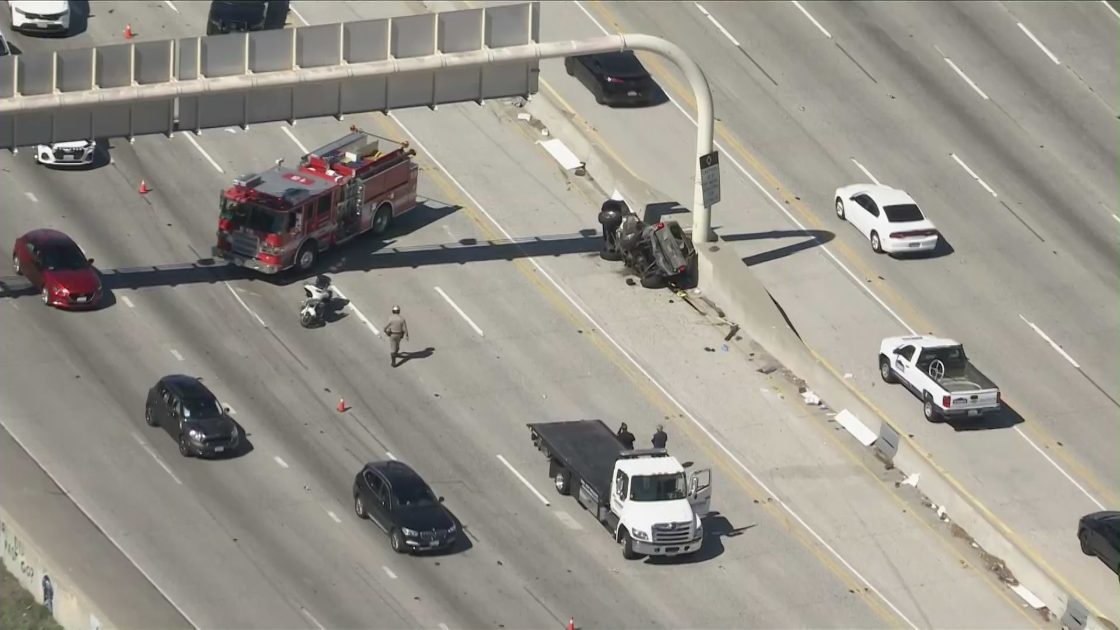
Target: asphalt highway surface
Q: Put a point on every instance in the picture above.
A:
(807, 535)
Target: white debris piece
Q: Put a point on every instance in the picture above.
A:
(941, 512)
(811, 398)
(1028, 596)
(859, 430)
(847, 375)
(524, 116)
(912, 480)
(561, 153)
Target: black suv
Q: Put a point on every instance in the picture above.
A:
(187, 410)
(394, 497)
(236, 16)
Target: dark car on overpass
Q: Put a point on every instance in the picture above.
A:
(397, 500)
(1099, 534)
(236, 16)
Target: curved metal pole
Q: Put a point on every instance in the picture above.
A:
(702, 225)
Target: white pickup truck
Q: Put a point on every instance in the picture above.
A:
(938, 371)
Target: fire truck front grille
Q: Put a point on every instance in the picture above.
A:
(244, 244)
(672, 533)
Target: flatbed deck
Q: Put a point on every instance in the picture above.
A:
(586, 447)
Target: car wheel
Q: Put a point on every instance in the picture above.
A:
(184, 445)
(653, 281)
(600, 95)
(628, 547)
(563, 482)
(1083, 537)
(840, 209)
(886, 371)
(929, 410)
(876, 246)
(16, 266)
(305, 259)
(383, 219)
(359, 509)
(45, 296)
(396, 540)
(569, 67)
(149, 417)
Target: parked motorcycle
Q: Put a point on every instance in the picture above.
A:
(319, 294)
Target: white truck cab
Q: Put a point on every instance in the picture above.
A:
(658, 505)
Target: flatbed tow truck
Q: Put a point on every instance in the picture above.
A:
(643, 497)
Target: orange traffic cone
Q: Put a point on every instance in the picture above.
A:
(128, 31)
(143, 190)
(341, 405)
(572, 623)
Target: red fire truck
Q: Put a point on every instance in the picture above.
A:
(283, 218)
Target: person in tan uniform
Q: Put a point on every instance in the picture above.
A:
(395, 330)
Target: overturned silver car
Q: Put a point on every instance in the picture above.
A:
(658, 253)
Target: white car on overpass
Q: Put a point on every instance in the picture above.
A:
(888, 217)
(40, 16)
(75, 153)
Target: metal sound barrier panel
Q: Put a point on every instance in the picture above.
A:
(401, 42)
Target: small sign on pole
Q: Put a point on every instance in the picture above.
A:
(709, 178)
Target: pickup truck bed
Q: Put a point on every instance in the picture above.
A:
(587, 448)
(972, 380)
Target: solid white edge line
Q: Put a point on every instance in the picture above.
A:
(361, 318)
(650, 377)
(334, 517)
(1109, 6)
(865, 171)
(828, 252)
(175, 353)
(190, 136)
(172, 5)
(1050, 341)
(973, 174)
(390, 456)
(127, 302)
(812, 19)
(1116, 217)
(389, 572)
(243, 304)
(460, 312)
(965, 77)
(523, 480)
(32, 197)
(101, 529)
(718, 25)
(1034, 39)
(443, 626)
(298, 15)
(306, 613)
(154, 455)
(295, 140)
(281, 462)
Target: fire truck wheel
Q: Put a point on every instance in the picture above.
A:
(306, 257)
(383, 219)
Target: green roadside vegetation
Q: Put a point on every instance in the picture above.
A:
(18, 608)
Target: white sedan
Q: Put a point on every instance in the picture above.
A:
(76, 153)
(888, 217)
(40, 16)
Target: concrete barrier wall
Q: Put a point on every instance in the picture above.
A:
(65, 560)
(52, 585)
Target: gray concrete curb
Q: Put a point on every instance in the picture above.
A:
(726, 280)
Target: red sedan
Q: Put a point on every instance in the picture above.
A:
(58, 269)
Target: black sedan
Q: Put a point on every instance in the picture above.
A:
(191, 414)
(1099, 534)
(236, 16)
(614, 78)
(397, 500)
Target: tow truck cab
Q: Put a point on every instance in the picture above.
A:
(643, 497)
